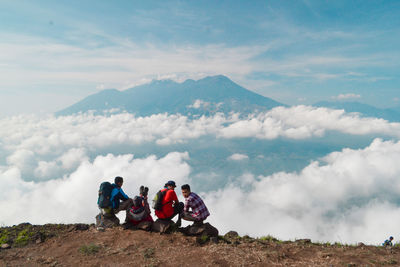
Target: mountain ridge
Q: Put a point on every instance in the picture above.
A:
(216, 93)
(390, 114)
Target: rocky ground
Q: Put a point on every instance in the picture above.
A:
(83, 245)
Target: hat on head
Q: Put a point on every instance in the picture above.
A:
(171, 183)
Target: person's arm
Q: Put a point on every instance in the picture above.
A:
(174, 197)
(146, 205)
(123, 195)
(187, 204)
(170, 197)
(114, 193)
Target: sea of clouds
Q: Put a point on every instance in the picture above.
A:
(51, 168)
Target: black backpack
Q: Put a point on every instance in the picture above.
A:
(157, 200)
(137, 212)
(104, 195)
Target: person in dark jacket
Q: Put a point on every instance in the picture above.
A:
(388, 242)
(119, 200)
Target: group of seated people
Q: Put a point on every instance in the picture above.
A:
(138, 209)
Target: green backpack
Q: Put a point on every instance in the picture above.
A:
(157, 200)
(104, 195)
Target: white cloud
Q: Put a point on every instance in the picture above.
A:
(52, 146)
(343, 198)
(24, 160)
(334, 198)
(73, 198)
(121, 65)
(198, 103)
(238, 157)
(301, 122)
(204, 105)
(346, 96)
(72, 158)
(46, 170)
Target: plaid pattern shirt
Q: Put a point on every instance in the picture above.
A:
(199, 209)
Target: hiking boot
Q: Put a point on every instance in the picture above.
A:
(178, 223)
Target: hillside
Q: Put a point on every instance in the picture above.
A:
(83, 245)
(214, 93)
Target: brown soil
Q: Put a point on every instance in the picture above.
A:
(76, 246)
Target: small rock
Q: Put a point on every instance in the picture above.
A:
(5, 246)
(81, 227)
(78, 227)
(162, 226)
(24, 224)
(231, 234)
(360, 244)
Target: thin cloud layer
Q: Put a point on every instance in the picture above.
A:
(238, 157)
(346, 96)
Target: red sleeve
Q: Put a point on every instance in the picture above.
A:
(170, 196)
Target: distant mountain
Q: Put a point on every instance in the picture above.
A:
(396, 108)
(364, 109)
(205, 96)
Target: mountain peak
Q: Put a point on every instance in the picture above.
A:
(216, 78)
(162, 81)
(167, 96)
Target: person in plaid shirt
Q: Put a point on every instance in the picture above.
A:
(198, 212)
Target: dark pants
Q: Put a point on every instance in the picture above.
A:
(124, 205)
(178, 209)
(188, 216)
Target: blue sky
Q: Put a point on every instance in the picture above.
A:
(54, 53)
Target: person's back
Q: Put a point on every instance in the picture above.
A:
(199, 209)
(170, 204)
(167, 209)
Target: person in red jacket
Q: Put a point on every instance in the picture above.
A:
(170, 204)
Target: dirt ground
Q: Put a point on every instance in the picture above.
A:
(120, 247)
